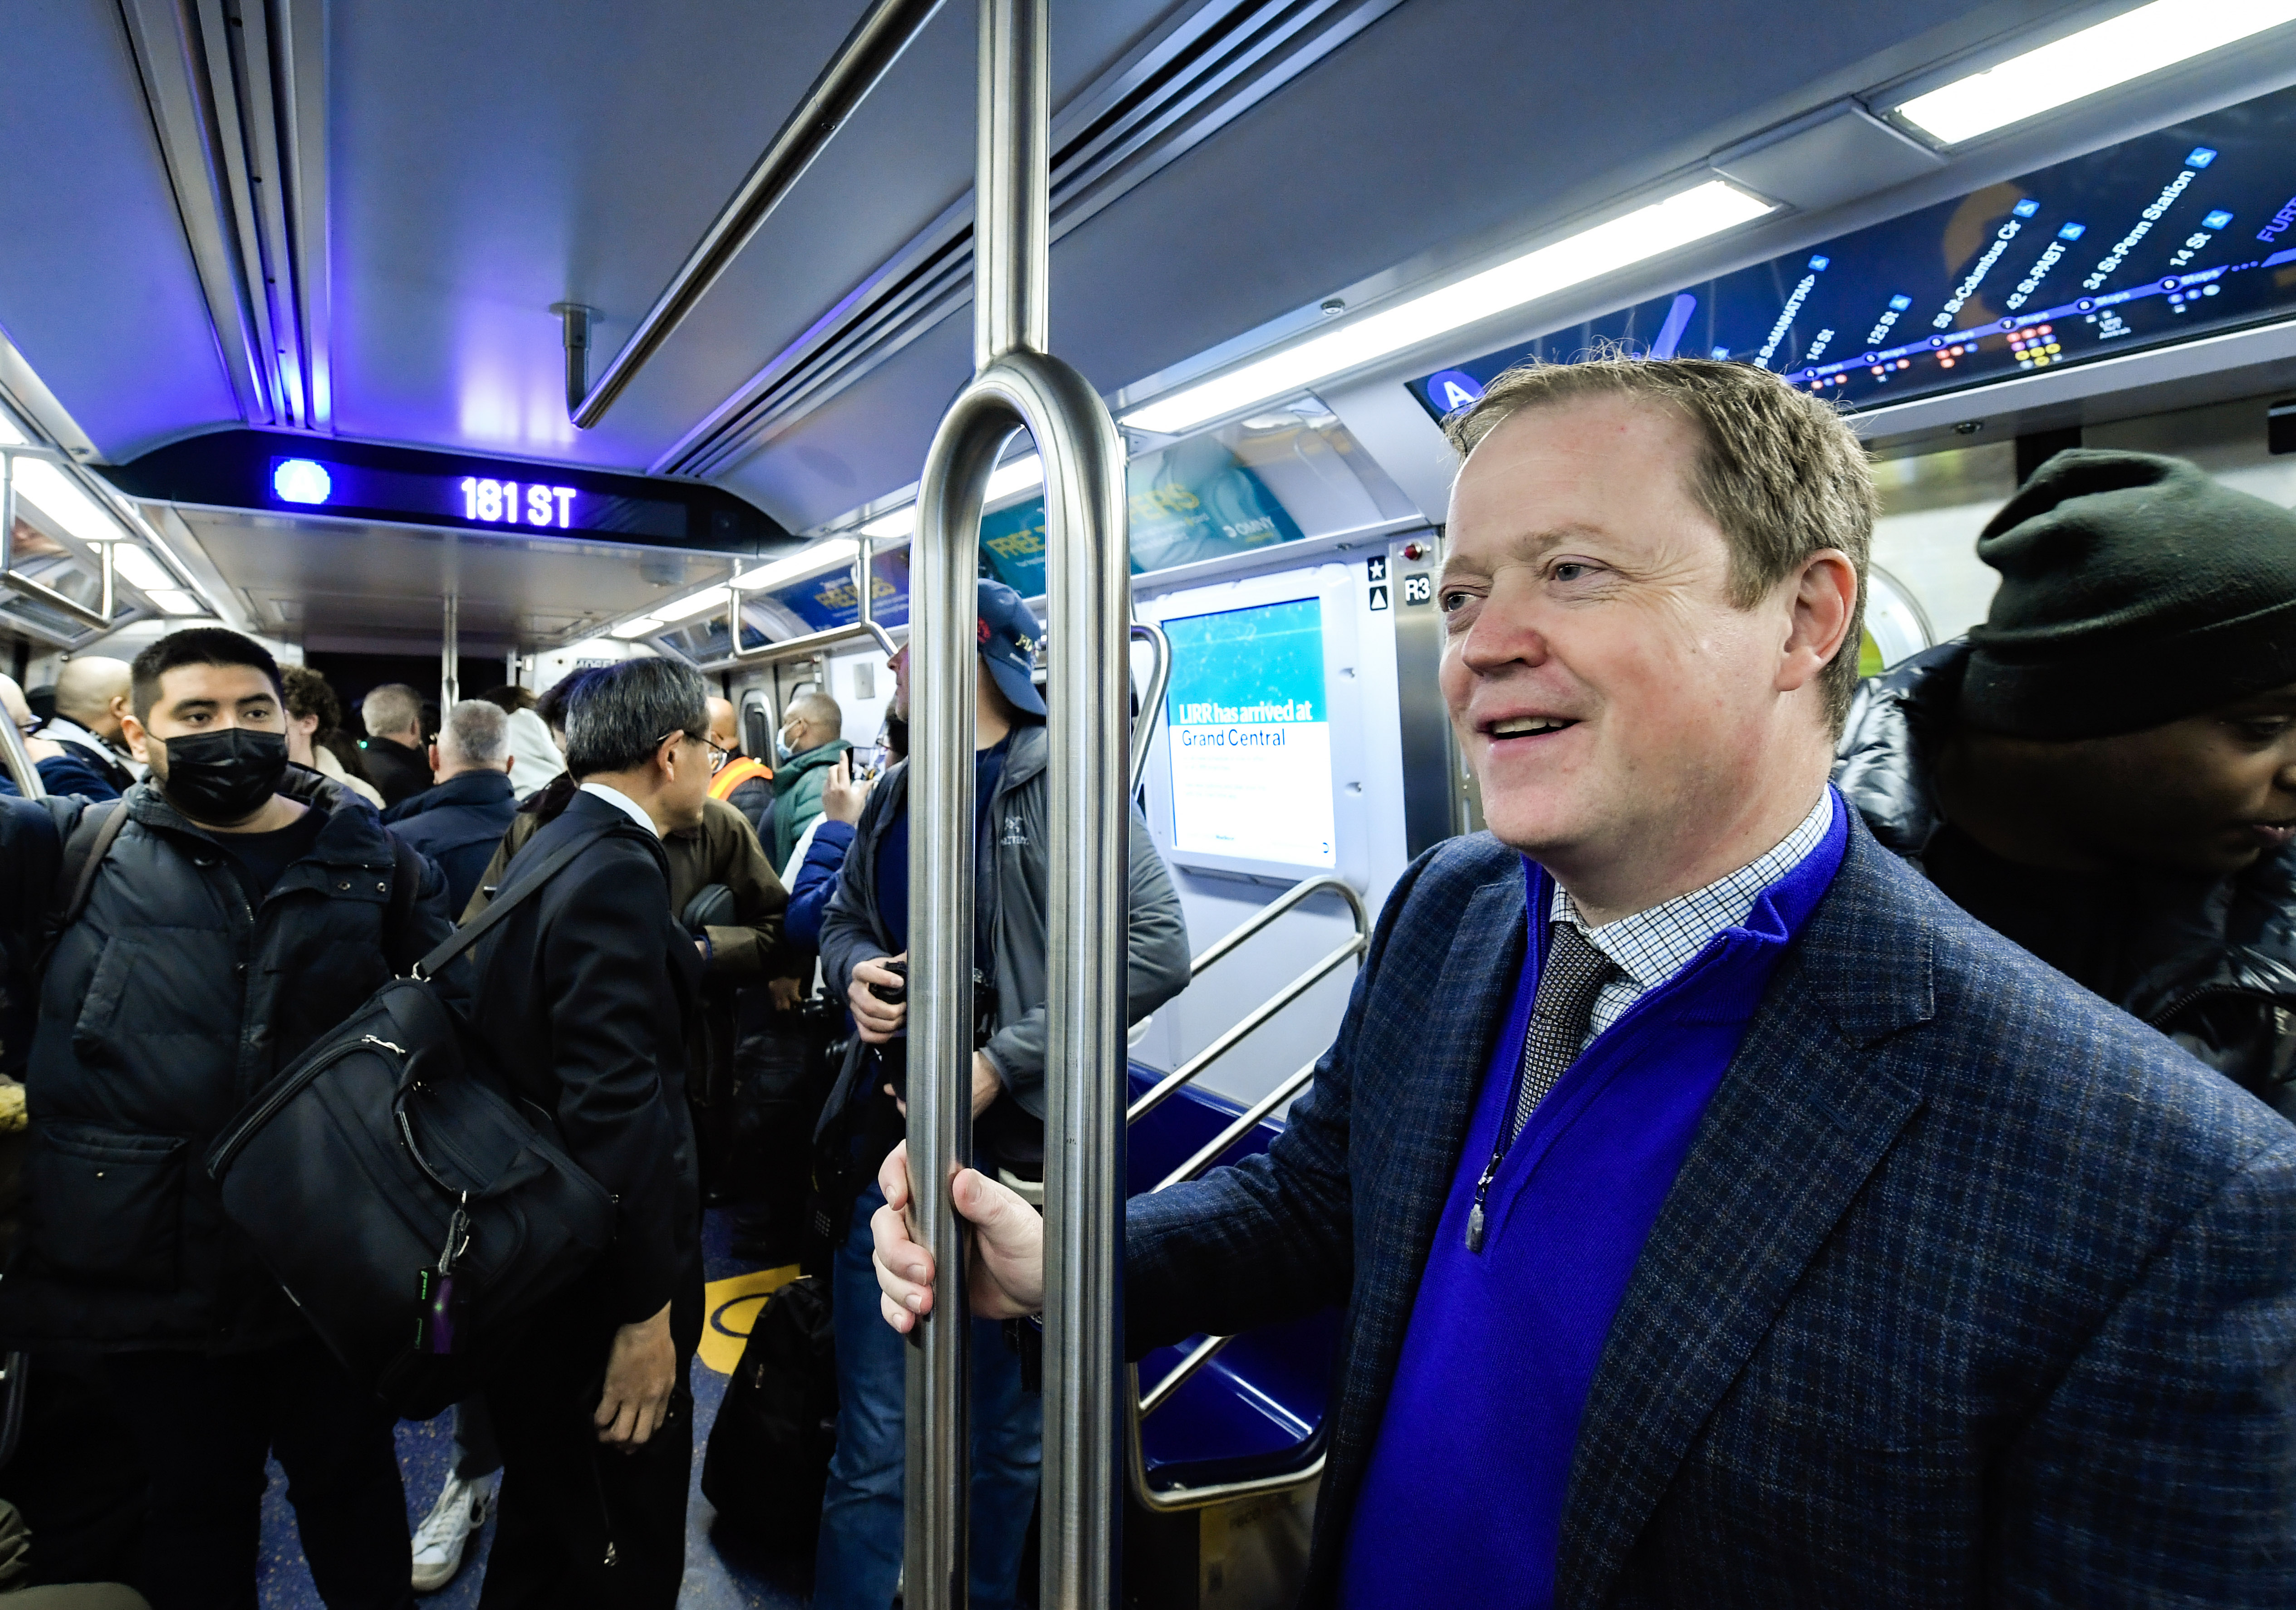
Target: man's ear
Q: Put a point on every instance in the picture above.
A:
(1824, 602)
(132, 729)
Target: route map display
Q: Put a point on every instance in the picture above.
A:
(2185, 231)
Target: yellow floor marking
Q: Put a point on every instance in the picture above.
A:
(733, 1305)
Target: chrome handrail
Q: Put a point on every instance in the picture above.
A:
(864, 625)
(1152, 708)
(874, 45)
(1017, 386)
(1171, 1500)
(1209, 1152)
(98, 617)
(1186, 1072)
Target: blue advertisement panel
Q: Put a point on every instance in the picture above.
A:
(829, 600)
(2182, 233)
(1251, 735)
(1192, 500)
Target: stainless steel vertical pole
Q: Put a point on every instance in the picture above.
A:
(450, 657)
(1017, 387)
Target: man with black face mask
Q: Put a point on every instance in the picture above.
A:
(238, 910)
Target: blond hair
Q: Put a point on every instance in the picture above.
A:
(1780, 471)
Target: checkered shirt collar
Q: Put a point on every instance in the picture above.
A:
(1651, 946)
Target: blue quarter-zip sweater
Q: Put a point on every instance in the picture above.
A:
(1462, 1501)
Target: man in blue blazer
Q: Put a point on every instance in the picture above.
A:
(1723, 1217)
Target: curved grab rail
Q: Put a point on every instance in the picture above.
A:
(796, 648)
(1186, 1074)
(1152, 708)
(98, 618)
(1138, 1407)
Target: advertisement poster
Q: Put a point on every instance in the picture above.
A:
(1192, 500)
(1251, 735)
(829, 599)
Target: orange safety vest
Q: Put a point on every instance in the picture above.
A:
(734, 773)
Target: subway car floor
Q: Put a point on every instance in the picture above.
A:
(720, 1574)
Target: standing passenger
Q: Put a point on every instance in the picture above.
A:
(535, 756)
(315, 721)
(92, 696)
(1724, 1218)
(393, 714)
(62, 770)
(2106, 771)
(807, 744)
(582, 996)
(867, 925)
(460, 822)
(243, 911)
(741, 781)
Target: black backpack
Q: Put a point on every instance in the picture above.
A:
(768, 1461)
(413, 1208)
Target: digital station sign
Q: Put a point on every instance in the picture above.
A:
(502, 499)
(282, 472)
(1250, 735)
(2185, 231)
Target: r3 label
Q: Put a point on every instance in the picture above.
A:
(1418, 588)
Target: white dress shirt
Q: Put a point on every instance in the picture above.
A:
(624, 804)
(1650, 947)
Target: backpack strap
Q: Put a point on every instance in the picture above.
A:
(84, 850)
(514, 894)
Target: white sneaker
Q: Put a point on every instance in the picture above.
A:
(462, 1508)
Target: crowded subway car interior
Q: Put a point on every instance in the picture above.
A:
(505, 544)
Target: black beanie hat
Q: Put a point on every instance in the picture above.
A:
(2135, 591)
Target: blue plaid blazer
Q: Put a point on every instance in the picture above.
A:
(1973, 1289)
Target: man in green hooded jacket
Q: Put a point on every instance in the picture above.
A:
(804, 750)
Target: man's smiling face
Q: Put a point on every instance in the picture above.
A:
(1608, 691)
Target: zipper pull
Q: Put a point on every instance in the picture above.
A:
(1482, 1190)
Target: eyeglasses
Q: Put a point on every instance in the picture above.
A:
(720, 756)
(717, 755)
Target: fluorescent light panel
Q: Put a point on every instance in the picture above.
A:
(805, 562)
(137, 567)
(1006, 481)
(2064, 70)
(693, 604)
(643, 626)
(1692, 215)
(175, 601)
(60, 498)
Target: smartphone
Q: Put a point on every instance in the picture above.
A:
(866, 760)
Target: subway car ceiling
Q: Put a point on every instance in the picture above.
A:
(290, 300)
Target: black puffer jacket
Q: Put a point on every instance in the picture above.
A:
(2219, 977)
(165, 1008)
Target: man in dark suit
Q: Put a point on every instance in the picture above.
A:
(1724, 1218)
(582, 997)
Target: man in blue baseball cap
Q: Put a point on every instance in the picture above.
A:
(864, 936)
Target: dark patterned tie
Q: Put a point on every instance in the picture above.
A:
(1569, 980)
